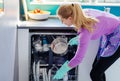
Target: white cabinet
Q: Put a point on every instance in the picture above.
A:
(23, 53)
(113, 72)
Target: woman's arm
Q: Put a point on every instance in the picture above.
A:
(83, 41)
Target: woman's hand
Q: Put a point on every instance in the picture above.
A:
(62, 71)
(73, 41)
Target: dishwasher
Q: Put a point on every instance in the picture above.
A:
(43, 61)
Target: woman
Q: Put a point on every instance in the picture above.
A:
(91, 24)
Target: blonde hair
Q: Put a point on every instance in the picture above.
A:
(79, 18)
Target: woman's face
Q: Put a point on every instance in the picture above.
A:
(67, 21)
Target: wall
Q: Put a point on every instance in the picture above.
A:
(1, 5)
(52, 8)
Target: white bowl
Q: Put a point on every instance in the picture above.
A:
(39, 16)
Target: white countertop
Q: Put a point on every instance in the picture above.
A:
(51, 22)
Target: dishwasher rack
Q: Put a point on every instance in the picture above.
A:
(44, 64)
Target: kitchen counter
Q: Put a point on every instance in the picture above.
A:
(50, 23)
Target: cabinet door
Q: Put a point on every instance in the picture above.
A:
(113, 72)
(23, 54)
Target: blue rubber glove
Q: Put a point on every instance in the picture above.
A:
(73, 41)
(62, 71)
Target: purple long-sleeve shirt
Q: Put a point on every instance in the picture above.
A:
(106, 25)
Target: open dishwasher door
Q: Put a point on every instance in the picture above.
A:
(44, 62)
